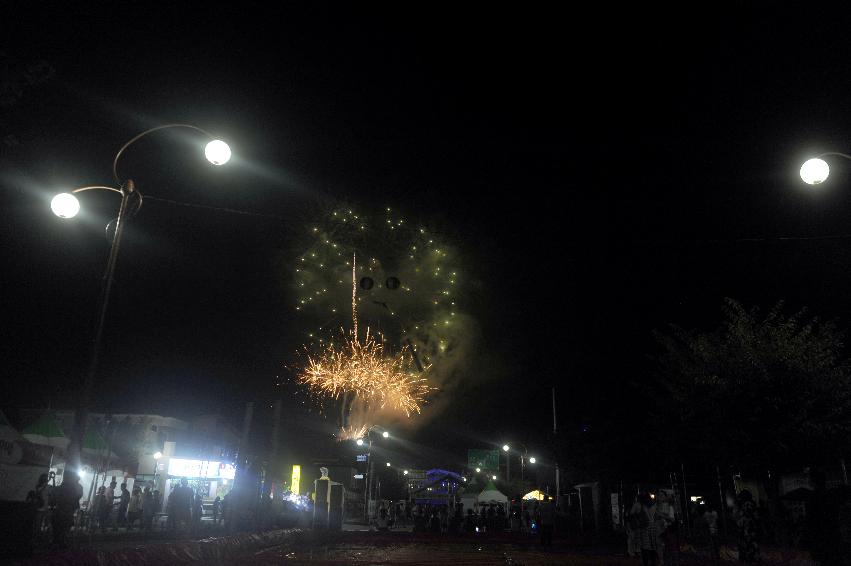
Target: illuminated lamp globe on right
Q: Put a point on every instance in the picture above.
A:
(815, 171)
(217, 152)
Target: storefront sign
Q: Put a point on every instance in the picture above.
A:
(200, 469)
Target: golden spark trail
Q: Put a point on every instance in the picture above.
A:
(363, 371)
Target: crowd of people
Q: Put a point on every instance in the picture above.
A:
(113, 507)
(534, 517)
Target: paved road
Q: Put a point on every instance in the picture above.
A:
(416, 550)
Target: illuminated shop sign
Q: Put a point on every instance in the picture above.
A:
(200, 469)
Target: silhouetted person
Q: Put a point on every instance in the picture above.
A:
(67, 499)
(148, 508)
(123, 503)
(649, 539)
(546, 521)
(746, 520)
(197, 510)
(180, 503)
(134, 508)
(822, 527)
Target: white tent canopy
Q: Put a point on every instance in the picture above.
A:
(492, 495)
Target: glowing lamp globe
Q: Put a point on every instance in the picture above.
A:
(505, 447)
(494, 478)
(814, 171)
(158, 455)
(385, 434)
(532, 460)
(478, 470)
(359, 441)
(65, 205)
(217, 152)
(388, 464)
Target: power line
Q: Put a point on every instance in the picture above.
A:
(216, 208)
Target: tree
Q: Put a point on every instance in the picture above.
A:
(759, 392)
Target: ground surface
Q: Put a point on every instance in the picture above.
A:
(412, 550)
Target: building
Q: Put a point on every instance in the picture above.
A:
(136, 448)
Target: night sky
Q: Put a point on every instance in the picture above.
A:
(602, 176)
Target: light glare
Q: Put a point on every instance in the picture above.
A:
(814, 171)
(532, 460)
(65, 205)
(385, 434)
(505, 447)
(217, 152)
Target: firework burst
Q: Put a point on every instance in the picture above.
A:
(360, 373)
(361, 369)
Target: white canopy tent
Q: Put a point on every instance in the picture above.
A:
(492, 495)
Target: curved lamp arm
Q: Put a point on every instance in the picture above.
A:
(129, 188)
(90, 187)
(146, 132)
(825, 154)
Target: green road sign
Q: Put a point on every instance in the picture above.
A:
(484, 459)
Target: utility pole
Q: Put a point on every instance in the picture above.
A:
(555, 432)
(246, 430)
(274, 464)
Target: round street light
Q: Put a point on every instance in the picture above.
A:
(65, 205)
(359, 441)
(815, 171)
(217, 152)
(532, 460)
(385, 434)
(478, 470)
(493, 478)
(405, 472)
(506, 447)
(388, 464)
(158, 455)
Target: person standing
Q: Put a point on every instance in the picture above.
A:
(134, 507)
(180, 505)
(123, 503)
(710, 517)
(746, 520)
(109, 494)
(67, 501)
(38, 499)
(197, 510)
(100, 510)
(633, 529)
(148, 508)
(546, 521)
(647, 530)
(664, 519)
(217, 509)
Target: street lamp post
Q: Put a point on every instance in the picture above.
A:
(506, 448)
(523, 457)
(66, 205)
(370, 469)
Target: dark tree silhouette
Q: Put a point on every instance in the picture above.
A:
(760, 392)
